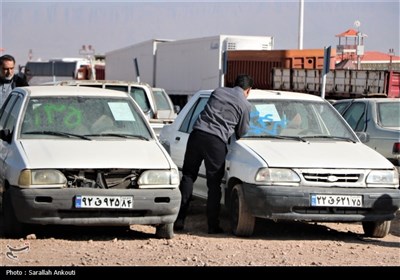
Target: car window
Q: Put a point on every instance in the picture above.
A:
(82, 116)
(140, 96)
(92, 86)
(116, 87)
(10, 113)
(388, 114)
(12, 119)
(191, 117)
(161, 100)
(341, 106)
(355, 116)
(9, 103)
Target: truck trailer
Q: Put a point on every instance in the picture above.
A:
(181, 67)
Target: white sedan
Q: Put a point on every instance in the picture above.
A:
(82, 156)
(300, 160)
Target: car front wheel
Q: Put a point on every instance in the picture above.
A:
(165, 231)
(12, 227)
(377, 229)
(241, 219)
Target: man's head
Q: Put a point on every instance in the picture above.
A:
(245, 82)
(7, 64)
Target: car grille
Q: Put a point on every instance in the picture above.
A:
(332, 177)
(103, 179)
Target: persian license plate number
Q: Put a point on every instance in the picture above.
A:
(116, 202)
(336, 200)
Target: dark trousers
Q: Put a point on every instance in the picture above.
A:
(203, 146)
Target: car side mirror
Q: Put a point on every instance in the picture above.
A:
(177, 108)
(5, 135)
(363, 136)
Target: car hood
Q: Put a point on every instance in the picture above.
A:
(324, 154)
(94, 154)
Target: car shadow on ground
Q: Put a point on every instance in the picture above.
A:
(266, 229)
(196, 224)
(78, 233)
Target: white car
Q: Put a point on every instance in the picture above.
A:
(83, 156)
(300, 160)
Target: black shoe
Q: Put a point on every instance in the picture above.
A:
(179, 225)
(215, 230)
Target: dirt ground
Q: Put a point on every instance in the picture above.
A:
(274, 244)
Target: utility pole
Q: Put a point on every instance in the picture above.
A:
(391, 54)
(301, 20)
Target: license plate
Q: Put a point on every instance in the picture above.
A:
(90, 201)
(336, 200)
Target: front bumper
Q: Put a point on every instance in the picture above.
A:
(294, 203)
(56, 206)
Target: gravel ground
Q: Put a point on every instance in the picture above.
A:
(274, 244)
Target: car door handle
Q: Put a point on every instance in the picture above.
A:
(177, 138)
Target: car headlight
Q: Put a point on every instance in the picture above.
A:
(157, 178)
(277, 175)
(381, 177)
(42, 179)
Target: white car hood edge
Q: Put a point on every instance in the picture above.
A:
(94, 154)
(321, 154)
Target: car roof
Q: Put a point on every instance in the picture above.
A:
(100, 82)
(389, 99)
(37, 91)
(275, 94)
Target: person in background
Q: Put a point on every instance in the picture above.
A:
(8, 79)
(226, 112)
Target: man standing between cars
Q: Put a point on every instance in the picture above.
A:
(226, 112)
(8, 79)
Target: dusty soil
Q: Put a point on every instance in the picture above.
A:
(273, 244)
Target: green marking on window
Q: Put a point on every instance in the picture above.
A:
(52, 114)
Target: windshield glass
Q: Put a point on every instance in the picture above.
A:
(296, 118)
(52, 117)
(161, 100)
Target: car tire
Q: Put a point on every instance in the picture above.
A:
(377, 229)
(165, 231)
(12, 227)
(242, 221)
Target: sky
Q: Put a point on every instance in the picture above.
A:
(54, 29)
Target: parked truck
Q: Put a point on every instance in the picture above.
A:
(301, 71)
(60, 69)
(182, 67)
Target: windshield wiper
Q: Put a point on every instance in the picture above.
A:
(331, 137)
(58, 133)
(120, 135)
(278, 137)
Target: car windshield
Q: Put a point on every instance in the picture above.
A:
(90, 117)
(296, 120)
(388, 114)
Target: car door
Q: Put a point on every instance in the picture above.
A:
(8, 120)
(178, 147)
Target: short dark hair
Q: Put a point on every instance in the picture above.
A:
(244, 81)
(6, 57)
